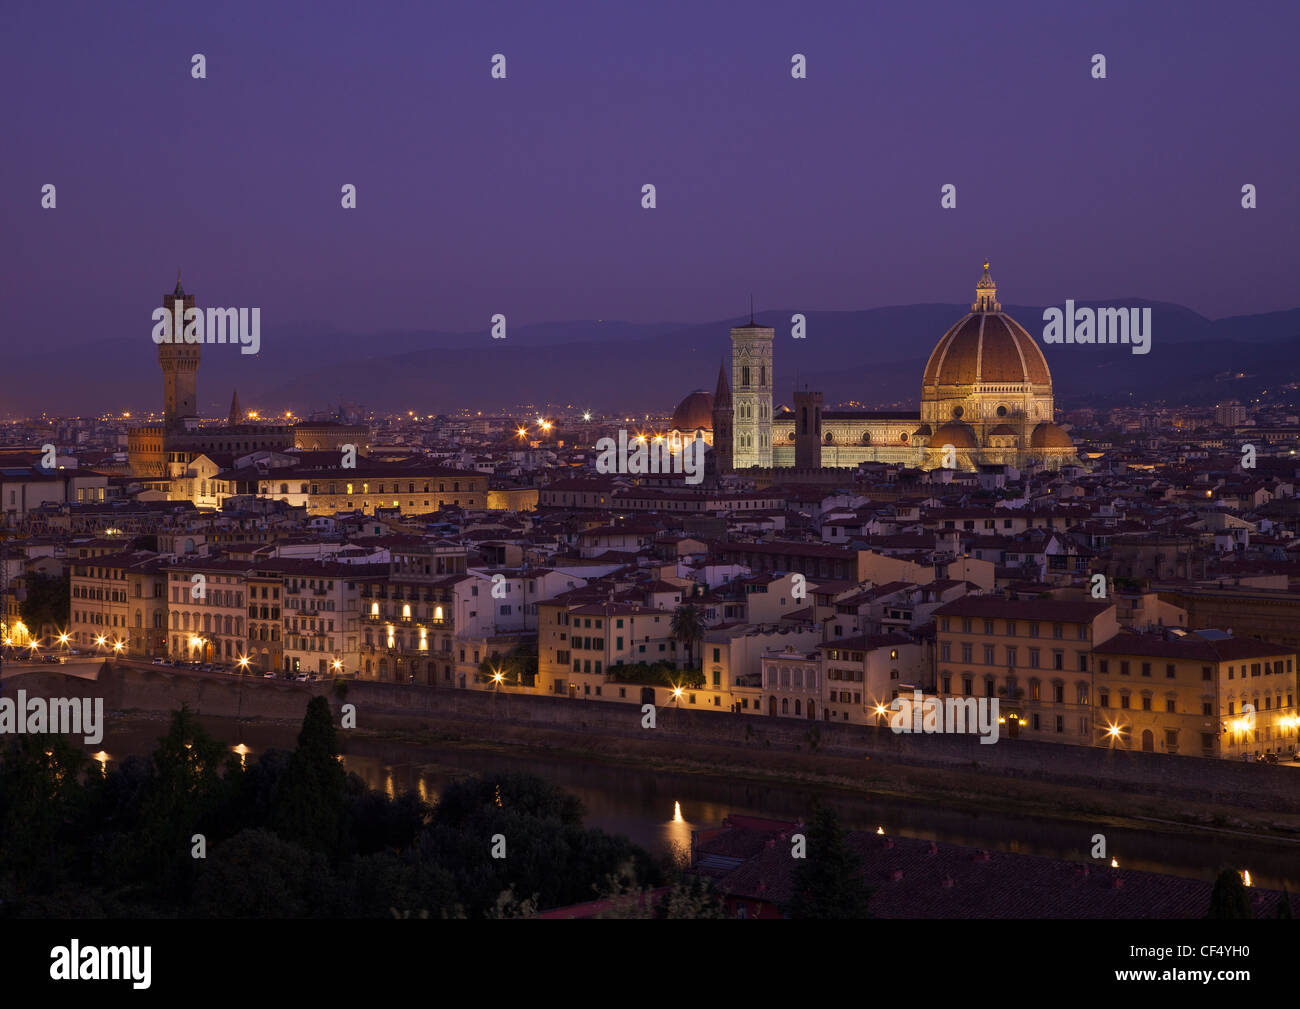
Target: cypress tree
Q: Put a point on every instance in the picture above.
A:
(829, 883)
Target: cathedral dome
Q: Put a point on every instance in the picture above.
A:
(1050, 436)
(956, 434)
(986, 347)
(1003, 430)
(693, 413)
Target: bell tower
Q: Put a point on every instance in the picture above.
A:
(180, 365)
(751, 393)
(722, 423)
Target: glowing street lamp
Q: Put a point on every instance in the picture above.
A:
(586, 415)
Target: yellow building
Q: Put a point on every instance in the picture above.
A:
(1033, 655)
(411, 490)
(119, 604)
(1188, 693)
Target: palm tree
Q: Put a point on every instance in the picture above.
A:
(688, 628)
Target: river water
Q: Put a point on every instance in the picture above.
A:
(658, 810)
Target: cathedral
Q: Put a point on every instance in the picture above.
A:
(986, 400)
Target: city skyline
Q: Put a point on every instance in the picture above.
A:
(817, 462)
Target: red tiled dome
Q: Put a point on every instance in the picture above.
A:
(694, 412)
(988, 348)
(956, 434)
(1050, 436)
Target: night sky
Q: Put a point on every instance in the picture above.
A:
(522, 196)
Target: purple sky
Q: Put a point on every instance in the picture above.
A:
(522, 196)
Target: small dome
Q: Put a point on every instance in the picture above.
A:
(956, 434)
(694, 412)
(1003, 429)
(922, 432)
(1050, 436)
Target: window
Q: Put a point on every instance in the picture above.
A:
(1169, 671)
(1123, 669)
(1146, 669)
(1171, 707)
(1011, 628)
(988, 655)
(1058, 693)
(1104, 698)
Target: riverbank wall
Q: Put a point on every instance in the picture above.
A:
(390, 707)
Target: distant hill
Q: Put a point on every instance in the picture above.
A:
(875, 356)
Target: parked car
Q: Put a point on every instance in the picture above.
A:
(302, 678)
(52, 660)
(268, 676)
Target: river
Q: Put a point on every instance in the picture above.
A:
(658, 810)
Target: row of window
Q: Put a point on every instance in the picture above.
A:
(1034, 628)
(1013, 656)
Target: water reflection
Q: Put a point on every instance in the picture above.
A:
(659, 810)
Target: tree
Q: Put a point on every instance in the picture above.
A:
(1229, 898)
(40, 799)
(48, 602)
(311, 800)
(687, 627)
(1284, 904)
(183, 798)
(829, 883)
(518, 667)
